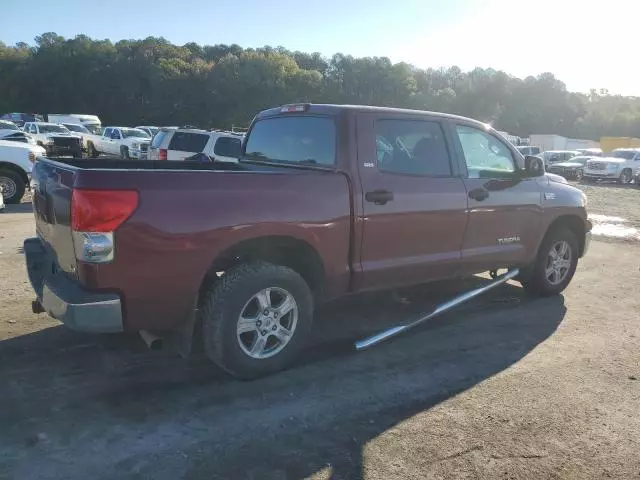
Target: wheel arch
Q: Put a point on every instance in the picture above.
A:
(575, 224)
(17, 169)
(287, 251)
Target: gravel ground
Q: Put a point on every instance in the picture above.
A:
(505, 387)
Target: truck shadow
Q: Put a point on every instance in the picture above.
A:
(318, 415)
(24, 207)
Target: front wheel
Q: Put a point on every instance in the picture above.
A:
(579, 175)
(555, 264)
(91, 151)
(12, 186)
(256, 318)
(124, 153)
(625, 176)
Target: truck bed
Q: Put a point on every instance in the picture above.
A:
(188, 215)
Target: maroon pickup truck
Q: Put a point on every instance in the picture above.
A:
(327, 200)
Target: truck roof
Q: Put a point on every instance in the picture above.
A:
(333, 109)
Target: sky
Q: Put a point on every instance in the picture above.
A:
(586, 44)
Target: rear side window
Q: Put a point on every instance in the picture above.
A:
(227, 147)
(188, 142)
(158, 138)
(412, 147)
(306, 140)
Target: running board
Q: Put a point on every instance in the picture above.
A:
(443, 307)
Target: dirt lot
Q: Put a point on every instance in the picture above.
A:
(505, 387)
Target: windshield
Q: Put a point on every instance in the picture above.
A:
(303, 140)
(4, 125)
(626, 154)
(580, 160)
(76, 128)
(96, 129)
(134, 132)
(52, 129)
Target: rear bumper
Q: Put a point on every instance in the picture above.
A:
(65, 300)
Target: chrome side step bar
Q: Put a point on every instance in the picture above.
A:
(443, 307)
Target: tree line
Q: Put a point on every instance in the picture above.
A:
(154, 82)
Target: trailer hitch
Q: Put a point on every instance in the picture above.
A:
(443, 307)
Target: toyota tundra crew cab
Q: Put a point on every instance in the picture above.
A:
(326, 201)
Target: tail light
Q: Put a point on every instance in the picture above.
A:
(95, 215)
(162, 154)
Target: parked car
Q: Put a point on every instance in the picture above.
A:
(313, 211)
(590, 152)
(21, 118)
(529, 150)
(181, 143)
(620, 166)
(90, 122)
(10, 131)
(16, 163)
(554, 156)
(124, 141)
(80, 130)
(55, 139)
(573, 168)
(151, 131)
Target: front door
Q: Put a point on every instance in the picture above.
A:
(504, 206)
(414, 205)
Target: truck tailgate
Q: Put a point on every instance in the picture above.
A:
(52, 185)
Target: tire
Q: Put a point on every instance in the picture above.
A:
(77, 153)
(124, 153)
(536, 279)
(625, 176)
(234, 296)
(579, 175)
(91, 151)
(13, 186)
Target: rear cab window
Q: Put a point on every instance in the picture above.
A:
(299, 139)
(188, 142)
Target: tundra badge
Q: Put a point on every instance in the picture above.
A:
(505, 240)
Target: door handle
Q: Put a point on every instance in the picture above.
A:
(379, 197)
(479, 194)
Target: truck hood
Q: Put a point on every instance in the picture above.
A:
(610, 160)
(37, 149)
(59, 135)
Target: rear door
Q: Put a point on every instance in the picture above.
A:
(504, 207)
(186, 144)
(414, 204)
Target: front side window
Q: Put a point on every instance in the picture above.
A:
(413, 147)
(304, 140)
(484, 154)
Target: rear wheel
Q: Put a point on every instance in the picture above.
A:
(256, 318)
(555, 264)
(579, 175)
(625, 176)
(12, 186)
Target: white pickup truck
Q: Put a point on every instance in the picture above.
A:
(124, 141)
(16, 162)
(620, 165)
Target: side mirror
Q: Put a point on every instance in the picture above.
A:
(533, 166)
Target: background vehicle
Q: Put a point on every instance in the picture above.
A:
(573, 168)
(56, 139)
(79, 130)
(620, 166)
(124, 141)
(554, 156)
(90, 122)
(179, 144)
(21, 118)
(16, 162)
(151, 131)
(590, 152)
(529, 150)
(328, 200)
(10, 131)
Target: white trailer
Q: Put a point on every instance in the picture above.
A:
(91, 122)
(548, 142)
